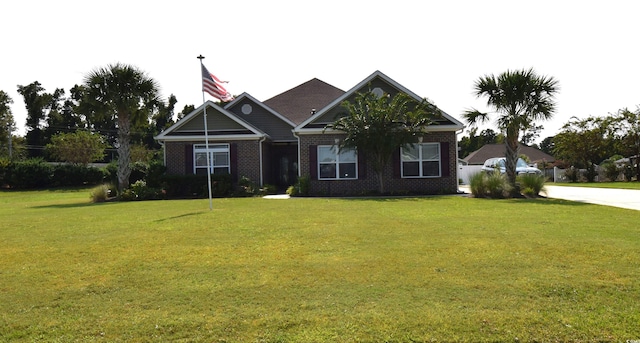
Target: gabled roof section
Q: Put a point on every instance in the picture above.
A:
(221, 124)
(261, 116)
(326, 115)
(298, 103)
(488, 151)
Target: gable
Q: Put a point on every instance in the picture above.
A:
(220, 123)
(262, 117)
(376, 82)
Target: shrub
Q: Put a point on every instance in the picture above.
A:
(572, 174)
(303, 185)
(531, 184)
(190, 186)
(268, 189)
(492, 185)
(31, 173)
(101, 193)
(76, 175)
(246, 187)
(292, 191)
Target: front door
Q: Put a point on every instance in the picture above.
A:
(284, 166)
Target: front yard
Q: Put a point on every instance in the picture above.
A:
(444, 268)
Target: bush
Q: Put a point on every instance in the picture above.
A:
(531, 184)
(493, 185)
(31, 173)
(292, 191)
(268, 190)
(101, 193)
(190, 186)
(572, 174)
(65, 175)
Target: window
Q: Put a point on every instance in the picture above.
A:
(219, 155)
(421, 160)
(334, 164)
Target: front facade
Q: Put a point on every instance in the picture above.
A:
(283, 138)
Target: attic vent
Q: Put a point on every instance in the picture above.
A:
(247, 109)
(313, 111)
(378, 92)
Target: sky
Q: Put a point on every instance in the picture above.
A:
(437, 49)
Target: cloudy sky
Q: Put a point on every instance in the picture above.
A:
(437, 49)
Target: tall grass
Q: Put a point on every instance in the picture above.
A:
(445, 268)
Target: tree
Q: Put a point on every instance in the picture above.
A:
(519, 98)
(626, 125)
(584, 143)
(80, 147)
(474, 142)
(547, 145)
(379, 125)
(38, 104)
(7, 124)
(126, 94)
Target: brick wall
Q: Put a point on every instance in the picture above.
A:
(179, 158)
(369, 183)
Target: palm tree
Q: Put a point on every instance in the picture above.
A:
(519, 98)
(379, 125)
(128, 94)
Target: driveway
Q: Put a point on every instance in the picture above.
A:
(624, 198)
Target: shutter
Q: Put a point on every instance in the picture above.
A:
(313, 162)
(362, 165)
(233, 161)
(445, 166)
(395, 160)
(188, 159)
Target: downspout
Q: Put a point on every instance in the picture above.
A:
(264, 138)
(458, 159)
(298, 138)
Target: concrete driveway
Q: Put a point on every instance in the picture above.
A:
(624, 198)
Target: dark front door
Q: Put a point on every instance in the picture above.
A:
(284, 166)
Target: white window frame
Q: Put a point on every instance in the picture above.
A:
(217, 166)
(420, 160)
(337, 162)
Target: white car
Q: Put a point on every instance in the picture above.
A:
(498, 163)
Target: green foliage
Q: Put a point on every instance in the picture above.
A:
(268, 189)
(379, 125)
(489, 185)
(30, 173)
(531, 184)
(76, 175)
(520, 98)
(292, 191)
(302, 186)
(80, 147)
(572, 174)
(611, 170)
(101, 193)
(195, 186)
(140, 191)
(584, 143)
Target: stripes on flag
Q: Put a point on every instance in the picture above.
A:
(213, 86)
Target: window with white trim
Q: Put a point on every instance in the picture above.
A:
(421, 160)
(335, 164)
(219, 155)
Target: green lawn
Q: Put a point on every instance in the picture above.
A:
(619, 185)
(445, 268)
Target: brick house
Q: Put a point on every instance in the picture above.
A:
(283, 138)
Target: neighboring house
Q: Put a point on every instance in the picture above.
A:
(488, 151)
(283, 138)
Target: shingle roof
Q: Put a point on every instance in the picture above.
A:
(297, 103)
(497, 150)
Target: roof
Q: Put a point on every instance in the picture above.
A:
(497, 150)
(298, 103)
(446, 123)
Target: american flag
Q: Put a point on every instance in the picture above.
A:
(213, 86)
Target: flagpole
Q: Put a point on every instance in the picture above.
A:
(206, 140)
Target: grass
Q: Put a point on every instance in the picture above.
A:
(618, 185)
(443, 268)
